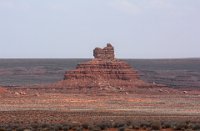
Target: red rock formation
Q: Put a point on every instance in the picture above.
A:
(2, 90)
(106, 53)
(103, 71)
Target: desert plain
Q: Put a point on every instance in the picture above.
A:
(143, 98)
(28, 106)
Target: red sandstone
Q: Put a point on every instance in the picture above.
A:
(2, 90)
(104, 71)
(106, 53)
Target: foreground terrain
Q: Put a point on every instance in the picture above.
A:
(114, 108)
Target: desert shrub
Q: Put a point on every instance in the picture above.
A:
(94, 128)
(34, 126)
(85, 126)
(104, 125)
(121, 129)
(15, 126)
(2, 129)
(59, 127)
(136, 125)
(20, 129)
(78, 129)
(118, 125)
(90, 127)
(166, 125)
(179, 127)
(51, 128)
(145, 125)
(65, 128)
(128, 123)
(27, 129)
(196, 127)
(74, 126)
(56, 127)
(9, 129)
(155, 126)
(44, 125)
(188, 122)
(186, 125)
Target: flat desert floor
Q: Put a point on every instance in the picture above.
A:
(27, 106)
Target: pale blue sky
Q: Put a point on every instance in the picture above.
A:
(72, 28)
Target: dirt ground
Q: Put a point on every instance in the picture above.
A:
(27, 106)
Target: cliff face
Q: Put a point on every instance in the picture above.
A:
(103, 71)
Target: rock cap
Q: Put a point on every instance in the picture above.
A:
(107, 53)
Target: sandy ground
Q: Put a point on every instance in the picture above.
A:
(57, 106)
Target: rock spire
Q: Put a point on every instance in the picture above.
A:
(107, 53)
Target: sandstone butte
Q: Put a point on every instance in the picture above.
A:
(104, 71)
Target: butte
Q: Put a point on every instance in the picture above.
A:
(103, 72)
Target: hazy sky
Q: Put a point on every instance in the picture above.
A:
(73, 28)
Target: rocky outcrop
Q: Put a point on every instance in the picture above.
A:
(103, 71)
(106, 53)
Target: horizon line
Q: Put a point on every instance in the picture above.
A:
(93, 58)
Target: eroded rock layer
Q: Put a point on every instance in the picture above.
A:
(107, 53)
(97, 69)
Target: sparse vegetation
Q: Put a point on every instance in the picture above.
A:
(155, 126)
(196, 127)
(106, 126)
(2, 129)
